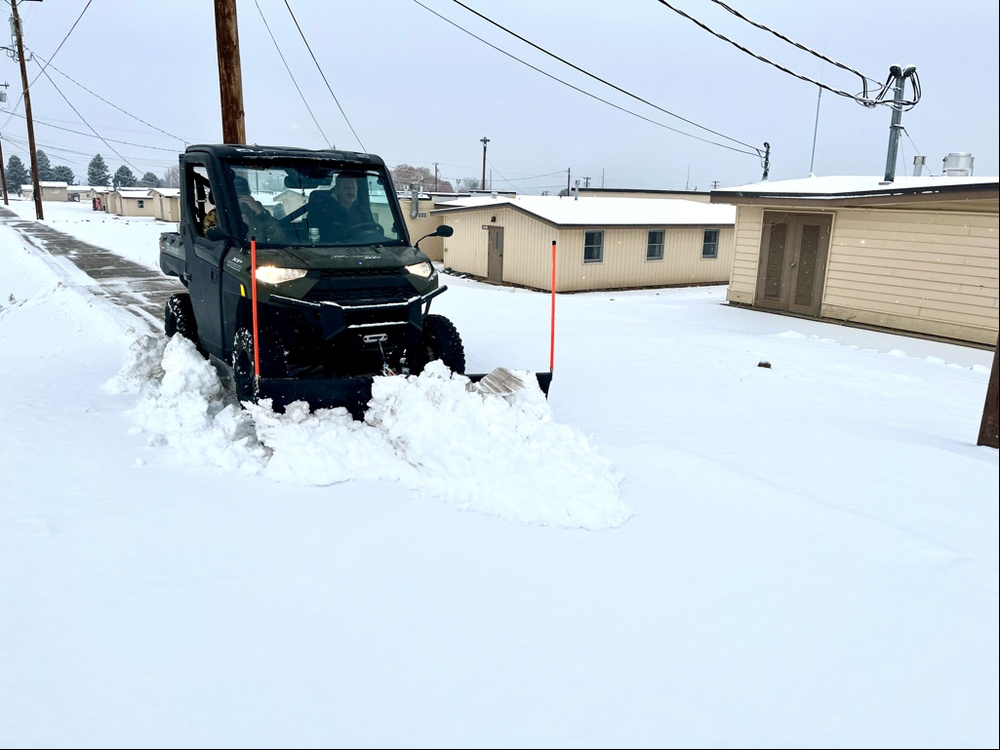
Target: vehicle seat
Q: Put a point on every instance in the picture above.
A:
(320, 214)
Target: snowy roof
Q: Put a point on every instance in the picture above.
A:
(858, 185)
(167, 192)
(53, 184)
(600, 211)
(133, 192)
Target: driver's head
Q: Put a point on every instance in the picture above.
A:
(346, 189)
(242, 185)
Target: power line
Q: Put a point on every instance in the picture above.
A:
(296, 83)
(112, 104)
(864, 79)
(91, 135)
(323, 75)
(601, 80)
(49, 78)
(585, 93)
(866, 101)
(18, 103)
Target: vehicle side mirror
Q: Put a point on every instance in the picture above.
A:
(442, 231)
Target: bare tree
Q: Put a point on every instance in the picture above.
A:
(172, 177)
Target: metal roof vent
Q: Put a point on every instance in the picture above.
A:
(958, 164)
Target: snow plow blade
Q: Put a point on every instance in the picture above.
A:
(354, 393)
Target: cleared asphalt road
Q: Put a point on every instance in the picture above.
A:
(139, 290)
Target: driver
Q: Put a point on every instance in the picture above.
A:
(259, 222)
(347, 210)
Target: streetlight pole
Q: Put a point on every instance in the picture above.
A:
(484, 140)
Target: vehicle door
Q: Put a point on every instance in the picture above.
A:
(204, 256)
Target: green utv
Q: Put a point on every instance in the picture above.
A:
(301, 278)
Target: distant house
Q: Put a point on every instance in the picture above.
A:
(50, 190)
(81, 193)
(289, 200)
(166, 203)
(601, 243)
(918, 255)
(132, 202)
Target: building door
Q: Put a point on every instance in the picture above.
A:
(793, 253)
(494, 260)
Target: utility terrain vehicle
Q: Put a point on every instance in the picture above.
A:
(313, 299)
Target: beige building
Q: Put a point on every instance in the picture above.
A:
(422, 220)
(166, 203)
(132, 202)
(50, 190)
(601, 243)
(918, 255)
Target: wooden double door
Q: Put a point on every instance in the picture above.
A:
(793, 255)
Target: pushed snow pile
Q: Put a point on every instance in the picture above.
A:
(503, 455)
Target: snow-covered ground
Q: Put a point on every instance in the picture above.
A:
(679, 548)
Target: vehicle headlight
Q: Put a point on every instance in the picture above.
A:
(424, 269)
(276, 275)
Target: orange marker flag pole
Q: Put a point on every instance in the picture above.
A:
(253, 305)
(552, 324)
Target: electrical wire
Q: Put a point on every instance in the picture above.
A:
(864, 79)
(18, 102)
(91, 135)
(599, 79)
(878, 99)
(323, 75)
(111, 104)
(296, 83)
(49, 78)
(586, 93)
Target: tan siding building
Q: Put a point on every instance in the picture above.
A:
(920, 255)
(134, 202)
(423, 224)
(601, 243)
(166, 203)
(51, 190)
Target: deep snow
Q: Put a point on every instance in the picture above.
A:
(678, 548)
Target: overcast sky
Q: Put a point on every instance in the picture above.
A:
(418, 89)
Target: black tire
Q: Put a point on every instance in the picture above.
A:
(272, 361)
(440, 340)
(178, 318)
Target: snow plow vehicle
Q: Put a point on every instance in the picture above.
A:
(301, 279)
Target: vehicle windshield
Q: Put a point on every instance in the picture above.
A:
(315, 205)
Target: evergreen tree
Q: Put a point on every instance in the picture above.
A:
(63, 174)
(17, 174)
(45, 173)
(150, 180)
(124, 177)
(97, 172)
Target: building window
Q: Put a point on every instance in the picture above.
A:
(654, 244)
(710, 245)
(142, 203)
(593, 246)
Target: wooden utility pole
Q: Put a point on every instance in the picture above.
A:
(3, 175)
(227, 44)
(39, 214)
(989, 428)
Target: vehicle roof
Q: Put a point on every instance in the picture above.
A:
(255, 151)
